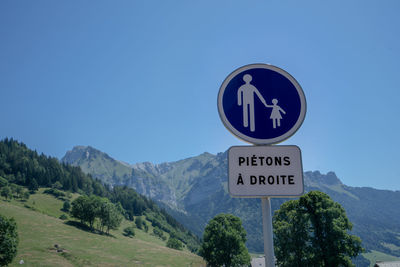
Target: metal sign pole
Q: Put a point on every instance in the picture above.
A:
(267, 232)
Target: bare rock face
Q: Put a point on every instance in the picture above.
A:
(143, 177)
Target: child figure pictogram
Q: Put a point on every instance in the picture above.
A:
(275, 113)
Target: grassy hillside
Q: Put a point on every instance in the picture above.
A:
(375, 256)
(22, 167)
(40, 229)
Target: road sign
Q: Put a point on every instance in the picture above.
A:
(261, 104)
(265, 171)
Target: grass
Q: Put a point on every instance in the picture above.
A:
(375, 256)
(40, 229)
(390, 246)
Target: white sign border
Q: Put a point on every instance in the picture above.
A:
(253, 140)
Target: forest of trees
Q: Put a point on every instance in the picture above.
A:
(22, 166)
(25, 168)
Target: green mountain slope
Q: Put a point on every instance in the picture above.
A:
(374, 213)
(21, 167)
(113, 172)
(169, 183)
(40, 230)
(197, 191)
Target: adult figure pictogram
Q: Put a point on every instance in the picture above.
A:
(246, 99)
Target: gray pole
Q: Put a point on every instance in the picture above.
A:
(267, 232)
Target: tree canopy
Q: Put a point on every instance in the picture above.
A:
(224, 242)
(87, 209)
(313, 231)
(8, 240)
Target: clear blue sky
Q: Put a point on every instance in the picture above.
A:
(139, 79)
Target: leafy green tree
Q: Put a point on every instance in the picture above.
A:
(224, 242)
(66, 206)
(8, 240)
(313, 231)
(109, 215)
(139, 222)
(79, 207)
(120, 209)
(174, 243)
(87, 209)
(33, 186)
(158, 232)
(6, 192)
(3, 181)
(25, 195)
(19, 190)
(13, 188)
(91, 208)
(57, 185)
(145, 226)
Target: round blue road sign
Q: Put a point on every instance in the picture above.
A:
(261, 104)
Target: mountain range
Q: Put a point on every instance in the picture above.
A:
(194, 190)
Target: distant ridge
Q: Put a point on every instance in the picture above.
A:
(195, 189)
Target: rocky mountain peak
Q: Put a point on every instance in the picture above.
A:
(74, 155)
(79, 153)
(316, 177)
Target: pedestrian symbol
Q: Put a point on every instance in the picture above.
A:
(276, 113)
(261, 104)
(246, 95)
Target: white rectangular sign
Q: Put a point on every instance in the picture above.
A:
(265, 171)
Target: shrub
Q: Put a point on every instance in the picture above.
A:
(174, 243)
(57, 185)
(55, 192)
(3, 182)
(139, 223)
(158, 232)
(129, 231)
(6, 192)
(66, 206)
(26, 195)
(63, 217)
